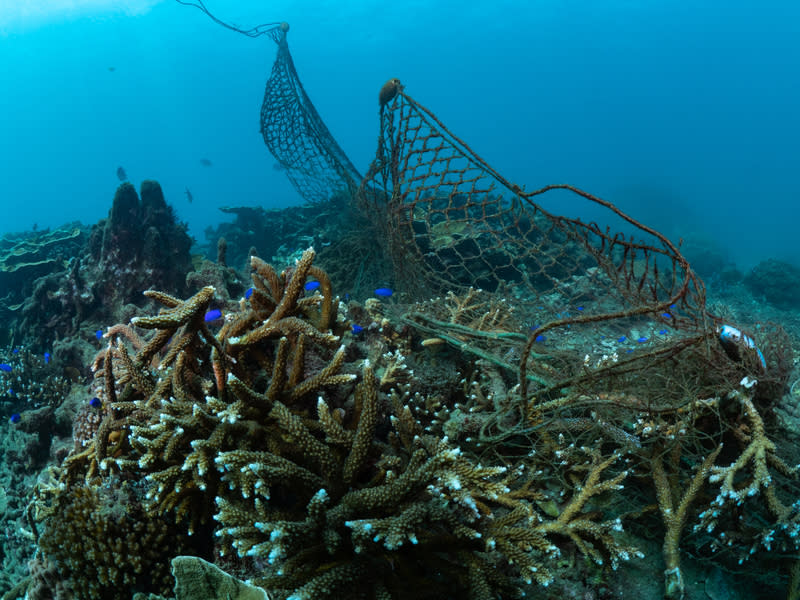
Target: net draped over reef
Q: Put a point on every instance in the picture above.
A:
(583, 335)
(447, 222)
(525, 384)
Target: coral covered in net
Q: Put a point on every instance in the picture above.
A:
(311, 473)
(533, 384)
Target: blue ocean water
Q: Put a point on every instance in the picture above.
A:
(684, 114)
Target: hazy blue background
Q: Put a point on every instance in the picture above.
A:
(683, 113)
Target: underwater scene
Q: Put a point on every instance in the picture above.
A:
(435, 300)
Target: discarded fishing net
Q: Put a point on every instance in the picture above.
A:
(579, 308)
(589, 308)
(296, 135)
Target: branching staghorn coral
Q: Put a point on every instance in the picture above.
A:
(256, 437)
(674, 507)
(751, 486)
(384, 509)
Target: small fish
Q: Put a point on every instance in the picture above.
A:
(99, 334)
(15, 351)
(121, 174)
(621, 339)
(15, 418)
(642, 340)
(95, 403)
(737, 344)
(357, 329)
(11, 391)
(663, 332)
(579, 308)
(311, 286)
(248, 293)
(205, 162)
(189, 196)
(213, 315)
(46, 357)
(666, 315)
(5, 367)
(540, 338)
(384, 292)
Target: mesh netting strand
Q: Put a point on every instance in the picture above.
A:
(296, 135)
(450, 222)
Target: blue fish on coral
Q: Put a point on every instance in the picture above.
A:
(15, 418)
(6, 367)
(95, 403)
(384, 292)
(99, 334)
(357, 329)
(248, 293)
(46, 358)
(311, 286)
(213, 315)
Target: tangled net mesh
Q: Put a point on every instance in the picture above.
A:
(577, 306)
(296, 135)
(589, 303)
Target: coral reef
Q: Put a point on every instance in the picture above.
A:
(26, 257)
(398, 459)
(139, 244)
(319, 482)
(343, 237)
(775, 281)
(329, 449)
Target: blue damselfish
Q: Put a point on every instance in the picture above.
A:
(213, 315)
